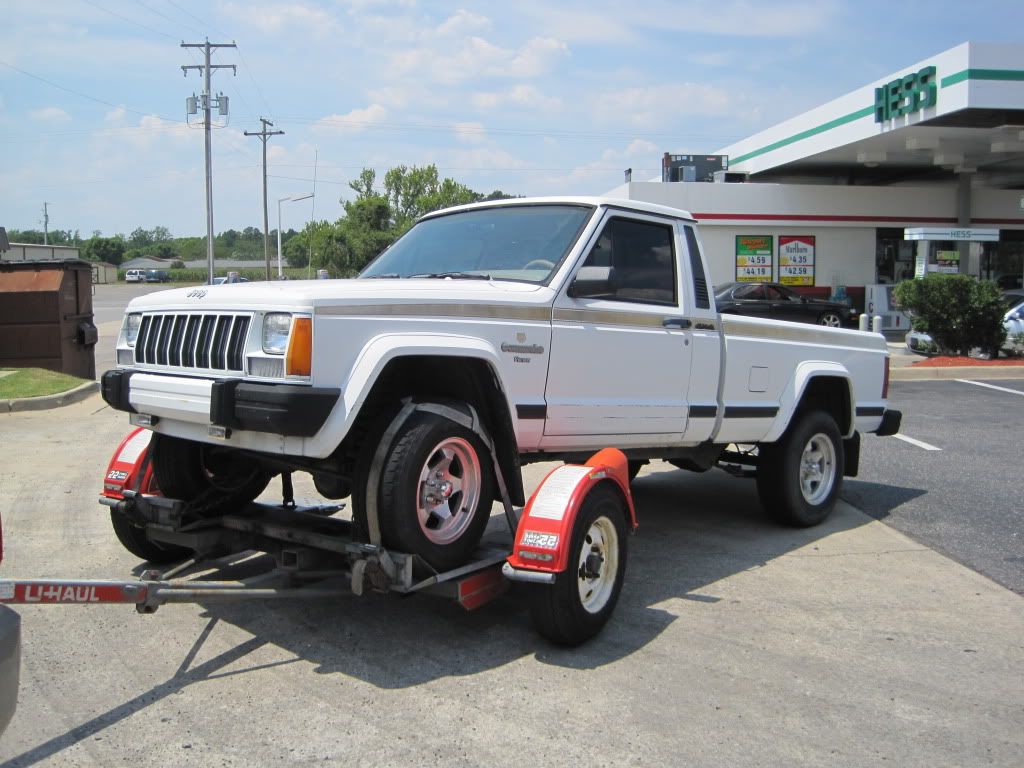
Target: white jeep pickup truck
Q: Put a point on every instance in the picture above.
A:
(565, 324)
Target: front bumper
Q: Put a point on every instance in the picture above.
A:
(288, 410)
(10, 663)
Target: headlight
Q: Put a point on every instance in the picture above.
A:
(275, 333)
(131, 326)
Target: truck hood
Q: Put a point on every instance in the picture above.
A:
(312, 294)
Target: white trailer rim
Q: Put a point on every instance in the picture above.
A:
(598, 565)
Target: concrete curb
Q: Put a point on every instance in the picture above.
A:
(50, 401)
(911, 373)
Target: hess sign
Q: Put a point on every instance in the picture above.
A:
(906, 95)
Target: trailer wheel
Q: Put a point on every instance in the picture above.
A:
(436, 491)
(135, 540)
(580, 602)
(799, 477)
(214, 479)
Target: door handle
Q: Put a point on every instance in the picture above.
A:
(681, 323)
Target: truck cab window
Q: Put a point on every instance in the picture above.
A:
(643, 261)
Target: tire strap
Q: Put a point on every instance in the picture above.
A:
(471, 422)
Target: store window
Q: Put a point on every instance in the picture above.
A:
(894, 256)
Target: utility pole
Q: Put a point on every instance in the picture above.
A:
(222, 106)
(264, 134)
(46, 224)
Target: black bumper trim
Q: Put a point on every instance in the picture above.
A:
(281, 409)
(115, 388)
(864, 410)
(890, 423)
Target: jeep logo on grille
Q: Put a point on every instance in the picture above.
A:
(198, 293)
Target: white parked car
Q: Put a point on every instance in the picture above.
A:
(135, 276)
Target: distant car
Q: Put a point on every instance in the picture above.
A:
(157, 276)
(10, 657)
(780, 302)
(224, 280)
(923, 344)
(135, 276)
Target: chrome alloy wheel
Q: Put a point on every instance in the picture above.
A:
(831, 319)
(817, 469)
(598, 565)
(448, 490)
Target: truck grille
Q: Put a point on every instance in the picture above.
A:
(211, 341)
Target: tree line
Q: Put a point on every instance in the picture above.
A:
(368, 225)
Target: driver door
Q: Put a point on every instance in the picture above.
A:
(619, 368)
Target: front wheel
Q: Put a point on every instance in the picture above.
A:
(580, 602)
(436, 491)
(214, 480)
(135, 540)
(799, 477)
(831, 319)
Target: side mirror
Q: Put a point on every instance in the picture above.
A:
(592, 282)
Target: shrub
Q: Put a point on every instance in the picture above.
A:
(958, 311)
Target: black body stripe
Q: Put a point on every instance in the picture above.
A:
(750, 411)
(531, 411)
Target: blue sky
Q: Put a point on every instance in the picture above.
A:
(530, 97)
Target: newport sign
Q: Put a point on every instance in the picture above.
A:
(906, 95)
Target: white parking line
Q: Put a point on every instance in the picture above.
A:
(990, 386)
(918, 443)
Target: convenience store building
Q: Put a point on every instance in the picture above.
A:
(922, 170)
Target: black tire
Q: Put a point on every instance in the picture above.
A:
(135, 540)
(831, 319)
(635, 465)
(559, 611)
(416, 516)
(212, 479)
(799, 477)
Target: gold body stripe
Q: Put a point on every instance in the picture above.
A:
(806, 333)
(466, 311)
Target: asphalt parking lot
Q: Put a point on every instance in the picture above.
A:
(735, 643)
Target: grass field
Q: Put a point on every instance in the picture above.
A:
(34, 382)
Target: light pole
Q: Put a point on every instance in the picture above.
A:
(280, 272)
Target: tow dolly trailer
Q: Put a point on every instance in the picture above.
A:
(568, 545)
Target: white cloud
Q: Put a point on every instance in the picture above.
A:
(353, 122)
(50, 115)
(462, 23)
(470, 133)
(274, 18)
(115, 115)
(655, 105)
(640, 146)
(537, 57)
(518, 95)
(476, 58)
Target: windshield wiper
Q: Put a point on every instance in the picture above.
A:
(454, 275)
(381, 276)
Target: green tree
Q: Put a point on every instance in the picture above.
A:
(108, 249)
(140, 238)
(958, 312)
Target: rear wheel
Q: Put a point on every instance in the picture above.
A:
(799, 477)
(135, 540)
(580, 602)
(831, 319)
(436, 491)
(213, 479)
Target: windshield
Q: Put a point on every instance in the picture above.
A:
(510, 242)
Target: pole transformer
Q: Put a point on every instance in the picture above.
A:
(207, 103)
(264, 134)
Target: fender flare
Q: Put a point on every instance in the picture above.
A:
(374, 357)
(794, 390)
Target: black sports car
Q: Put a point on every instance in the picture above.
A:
(780, 302)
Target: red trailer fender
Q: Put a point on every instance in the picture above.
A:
(129, 467)
(544, 533)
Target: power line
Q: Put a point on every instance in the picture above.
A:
(87, 96)
(99, 7)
